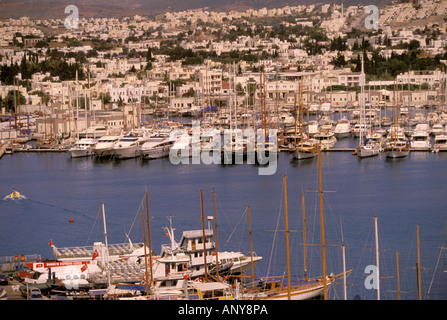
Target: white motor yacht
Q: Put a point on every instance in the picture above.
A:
(440, 143)
(342, 128)
(326, 139)
(104, 147)
(129, 146)
(83, 148)
(437, 129)
(420, 140)
(360, 127)
(156, 147)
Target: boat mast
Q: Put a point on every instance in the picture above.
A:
(145, 256)
(204, 239)
(398, 277)
(251, 247)
(419, 266)
(215, 235)
(105, 239)
(286, 230)
(377, 258)
(149, 237)
(323, 246)
(305, 236)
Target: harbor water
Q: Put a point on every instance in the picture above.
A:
(64, 198)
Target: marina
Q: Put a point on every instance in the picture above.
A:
(386, 188)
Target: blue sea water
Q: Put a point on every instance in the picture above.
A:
(403, 194)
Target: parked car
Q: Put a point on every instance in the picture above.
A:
(3, 279)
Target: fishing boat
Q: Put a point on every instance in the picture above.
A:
(83, 148)
(129, 146)
(104, 147)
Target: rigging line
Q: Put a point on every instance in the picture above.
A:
(138, 214)
(240, 219)
(94, 223)
(275, 233)
(436, 267)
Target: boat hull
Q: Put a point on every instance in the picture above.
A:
(78, 153)
(126, 153)
(397, 153)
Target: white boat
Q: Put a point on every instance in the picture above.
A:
(420, 140)
(71, 274)
(342, 128)
(104, 147)
(189, 252)
(326, 139)
(437, 129)
(156, 147)
(129, 146)
(14, 195)
(440, 143)
(369, 149)
(361, 128)
(83, 148)
(312, 128)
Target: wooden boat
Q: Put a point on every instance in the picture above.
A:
(275, 288)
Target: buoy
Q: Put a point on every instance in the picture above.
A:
(71, 220)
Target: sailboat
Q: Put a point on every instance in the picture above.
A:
(307, 148)
(275, 289)
(366, 147)
(396, 147)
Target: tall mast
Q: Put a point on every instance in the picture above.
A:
(149, 237)
(304, 236)
(215, 235)
(419, 266)
(398, 276)
(286, 230)
(204, 239)
(323, 246)
(377, 258)
(251, 248)
(145, 256)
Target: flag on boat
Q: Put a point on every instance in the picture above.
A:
(95, 255)
(51, 243)
(84, 267)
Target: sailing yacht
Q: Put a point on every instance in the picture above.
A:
(274, 288)
(366, 147)
(104, 147)
(396, 145)
(129, 146)
(83, 148)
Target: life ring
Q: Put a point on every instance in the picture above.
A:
(186, 276)
(154, 283)
(201, 279)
